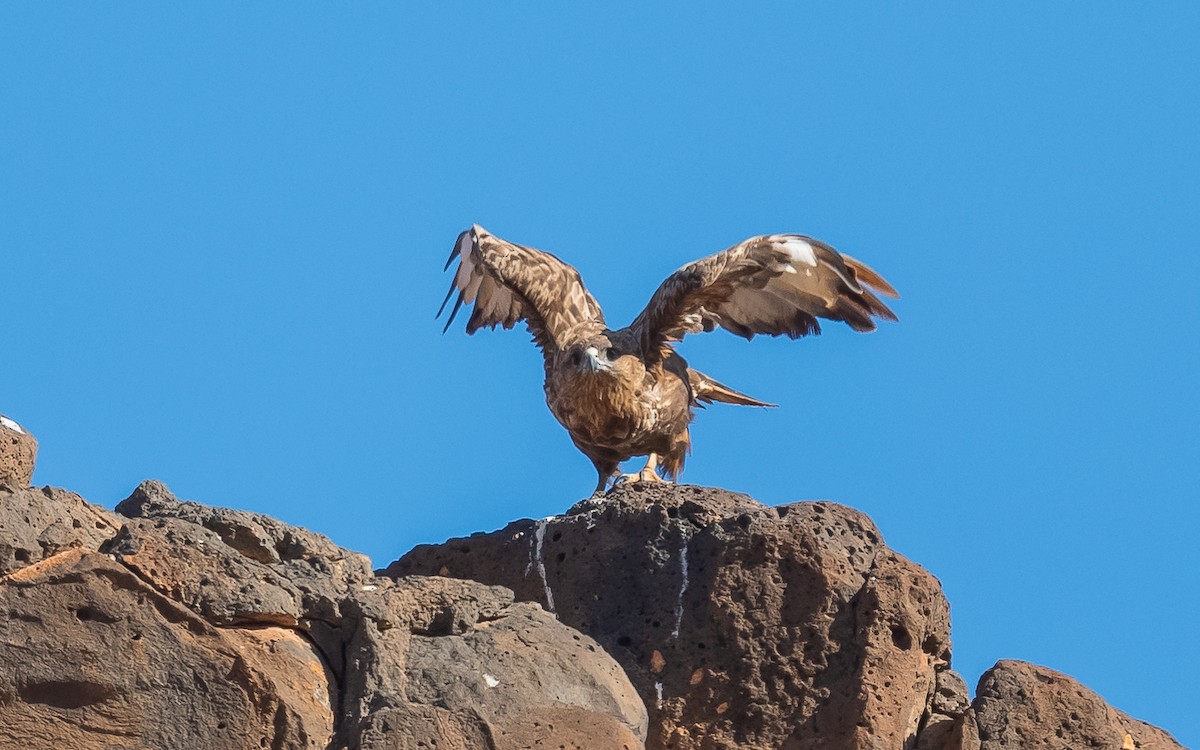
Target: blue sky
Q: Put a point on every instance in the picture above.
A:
(222, 229)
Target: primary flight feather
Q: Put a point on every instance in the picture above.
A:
(623, 393)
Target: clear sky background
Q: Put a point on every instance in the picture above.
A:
(222, 230)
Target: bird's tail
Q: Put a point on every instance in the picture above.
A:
(706, 390)
(869, 276)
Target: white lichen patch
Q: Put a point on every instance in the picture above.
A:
(11, 425)
(490, 681)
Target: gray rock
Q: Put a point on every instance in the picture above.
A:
(462, 661)
(193, 566)
(794, 627)
(39, 523)
(320, 570)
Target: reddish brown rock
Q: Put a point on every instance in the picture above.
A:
(18, 454)
(93, 657)
(741, 626)
(1020, 705)
(197, 627)
(421, 650)
(950, 724)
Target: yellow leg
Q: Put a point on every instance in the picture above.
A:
(648, 473)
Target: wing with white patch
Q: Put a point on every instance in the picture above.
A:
(775, 284)
(507, 283)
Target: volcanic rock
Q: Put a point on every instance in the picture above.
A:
(741, 626)
(39, 523)
(192, 627)
(93, 657)
(18, 453)
(1020, 705)
(170, 624)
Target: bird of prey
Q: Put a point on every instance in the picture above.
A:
(627, 392)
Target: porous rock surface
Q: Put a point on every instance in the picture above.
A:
(1020, 706)
(760, 628)
(175, 625)
(40, 523)
(92, 656)
(18, 452)
(741, 626)
(170, 624)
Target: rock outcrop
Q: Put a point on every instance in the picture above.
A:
(92, 656)
(659, 617)
(175, 625)
(741, 625)
(1022, 706)
(18, 451)
(750, 627)
(39, 523)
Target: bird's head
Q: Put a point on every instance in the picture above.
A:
(602, 357)
(595, 355)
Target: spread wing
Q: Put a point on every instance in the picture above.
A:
(507, 283)
(776, 284)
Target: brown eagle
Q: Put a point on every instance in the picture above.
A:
(623, 393)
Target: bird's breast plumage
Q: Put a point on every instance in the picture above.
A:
(629, 410)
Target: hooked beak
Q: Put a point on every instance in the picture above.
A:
(593, 361)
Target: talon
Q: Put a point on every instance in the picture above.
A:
(648, 475)
(620, 479)
(649, 472)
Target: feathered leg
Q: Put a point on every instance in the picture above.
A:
(606, 472)
(673, 459)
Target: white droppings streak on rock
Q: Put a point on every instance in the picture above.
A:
(591, 518)
(658, 693)
(683, 584)
(369, 587)
(539, 537)
(529, 565)
(491, 681)
(12, 425)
